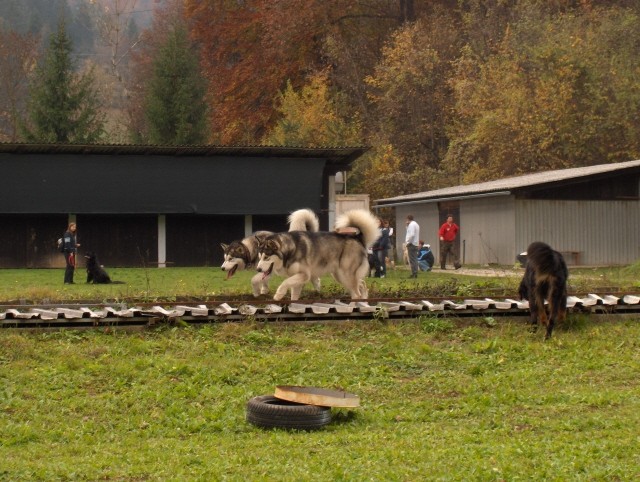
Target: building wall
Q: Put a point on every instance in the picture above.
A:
(347, 202)
(426, 215)
(487, 230)
(29, 241)
(141, 185)
(118, 240)
(495, 229)
(603, 232)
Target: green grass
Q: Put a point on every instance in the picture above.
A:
(171, 284)
(440, 400)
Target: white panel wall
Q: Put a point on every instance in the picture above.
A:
(487, 228)
(494, 229)
(604, 232)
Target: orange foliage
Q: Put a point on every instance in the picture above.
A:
(252, 49)
(17, 60)
(249, 51)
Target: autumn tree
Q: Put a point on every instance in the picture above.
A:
(560, 92)
(411, 99)
(312, 116)
(18, 53)
(251, 49)
(380, 173)
(63, 105)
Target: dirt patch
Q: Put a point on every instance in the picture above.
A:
(489, 271)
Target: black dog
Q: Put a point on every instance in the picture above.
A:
(545, 278)
(96, 273)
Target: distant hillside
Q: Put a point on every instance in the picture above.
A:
(142, 9)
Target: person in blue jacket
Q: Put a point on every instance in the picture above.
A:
(425, 257)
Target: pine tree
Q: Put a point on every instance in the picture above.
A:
(63, 106)
(174, 106)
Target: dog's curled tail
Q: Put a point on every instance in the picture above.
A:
(366, 223)
(304, 220)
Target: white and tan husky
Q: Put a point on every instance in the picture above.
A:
(302, 256)
(243, 253)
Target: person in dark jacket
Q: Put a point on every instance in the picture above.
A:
(70, 249)
(381, 249)
(425, 257)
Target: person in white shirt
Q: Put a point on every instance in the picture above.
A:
(411, 240)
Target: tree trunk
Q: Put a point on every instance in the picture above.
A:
(407, 11)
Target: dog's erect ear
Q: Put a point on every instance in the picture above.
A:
(224, 247)
(272, 248)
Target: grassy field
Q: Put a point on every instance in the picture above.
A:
(168, 284)
(441, 399)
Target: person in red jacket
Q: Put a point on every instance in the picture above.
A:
(447, 233)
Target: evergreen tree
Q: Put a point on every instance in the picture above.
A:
(63, 106)
(174, 106)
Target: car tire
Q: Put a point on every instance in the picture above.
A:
(270, 412)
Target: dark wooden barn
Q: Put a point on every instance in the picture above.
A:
(154, 205)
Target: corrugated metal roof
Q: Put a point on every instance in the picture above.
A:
(513, 183)
(335, 155)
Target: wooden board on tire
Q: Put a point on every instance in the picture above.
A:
(321, 397)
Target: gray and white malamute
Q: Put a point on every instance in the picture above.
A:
(303, 256)
(243, 254)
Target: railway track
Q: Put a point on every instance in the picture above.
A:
(122, 315)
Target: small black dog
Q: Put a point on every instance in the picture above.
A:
(545, 278)
(96, 273)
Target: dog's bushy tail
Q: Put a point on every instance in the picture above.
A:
(366, 223)
(304, 220)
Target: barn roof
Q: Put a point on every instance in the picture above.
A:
(338, 158)
(508, 185)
